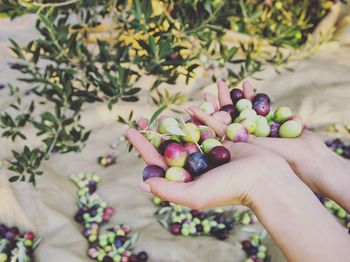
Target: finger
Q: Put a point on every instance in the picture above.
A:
(216, 125)
(215, 188)
(210, 98)
(240, 150)
(176, 192)
(248, 91)
(285, 147)
(223, 93)
(142, 122)
(145, 148)
(189, 112)
(162, 117)
(191, 194)
(223, 117)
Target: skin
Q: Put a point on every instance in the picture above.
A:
(285, 205)
(322, 170)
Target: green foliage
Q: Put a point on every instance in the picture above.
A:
(95, 51)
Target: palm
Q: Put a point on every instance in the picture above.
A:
(305, 154)
(224, 185)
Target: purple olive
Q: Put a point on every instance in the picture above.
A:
(10, 235)
(274, 130)
(346, 152)
(219, 155)
(152, 171)
(142, 256)
(164, 145)
(175, 229)
(133, 258)
(261, 107)
(197, 163)
(107, 259)
(262, 96)
(231, 109)
(194, 121)
(236, 94)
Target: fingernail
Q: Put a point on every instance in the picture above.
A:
(189, 111)
(145, 187)
(125, 132)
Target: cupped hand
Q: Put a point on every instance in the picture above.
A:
(233, 183)
(308, 156)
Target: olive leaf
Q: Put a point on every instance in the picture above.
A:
(155, 116)
(175, 130)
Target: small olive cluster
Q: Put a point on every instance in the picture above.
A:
(340, 147)
(192, 148)
(188, 222)
(16, 246)
(254, 249)
(113, 245)
(337, 210)
(106, 160)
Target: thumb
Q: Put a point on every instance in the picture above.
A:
(277, 145)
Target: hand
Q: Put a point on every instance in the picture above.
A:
(232, 183)
(317, 166)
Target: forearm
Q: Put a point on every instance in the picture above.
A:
(299, 224)
(336, 182)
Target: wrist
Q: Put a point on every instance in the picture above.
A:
(271, 187)
(293, 216)
(268, 186)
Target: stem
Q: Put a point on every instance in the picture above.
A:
(40, 5)
(53, 143)
(152, 132)
(183, 122)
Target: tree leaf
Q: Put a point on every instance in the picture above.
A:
(175, 130)
(155, 115)
(14, 179)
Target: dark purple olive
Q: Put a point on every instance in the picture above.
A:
(246, 244)
(3, 230)
(86, 232)
(262, 96)
(14, 230)
(142, 256)
(197, 163)
(236, 94)
(274, 130)
(118, 243)
(219, 155)
(175, 229)
(93, 245)
(337, 143)
(153, 171)
(10, 235)
(261, 107)
(107, 259)
(346, 152)
(133, 258)
(229, 224)
(164, 144)
(231, 109)
(194, 121)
